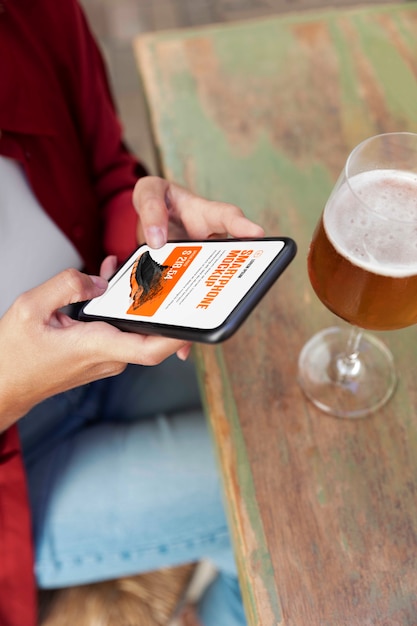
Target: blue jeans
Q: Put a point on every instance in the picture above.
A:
(122, 480)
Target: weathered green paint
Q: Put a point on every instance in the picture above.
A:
(260, 557)
(354, 111)
(396, 79)
(243, 58)
(286, 183)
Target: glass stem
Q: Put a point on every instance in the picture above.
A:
(348, 365)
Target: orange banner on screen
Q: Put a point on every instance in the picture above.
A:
(151, 282)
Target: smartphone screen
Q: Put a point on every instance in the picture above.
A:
(197, 290)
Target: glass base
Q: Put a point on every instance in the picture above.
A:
(357, 393)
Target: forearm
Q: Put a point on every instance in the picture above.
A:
(15, 400)
(12, 405)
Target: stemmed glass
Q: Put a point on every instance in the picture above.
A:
(362, 264)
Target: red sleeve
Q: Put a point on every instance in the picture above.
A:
(114, 169)
(17, 584)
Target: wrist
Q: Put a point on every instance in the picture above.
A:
(12, 407)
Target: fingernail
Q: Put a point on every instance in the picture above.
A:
(155, 237)
(99, 282)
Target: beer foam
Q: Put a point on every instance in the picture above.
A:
(372, 221)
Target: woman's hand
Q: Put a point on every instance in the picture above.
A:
(166, 210)
(44, 352)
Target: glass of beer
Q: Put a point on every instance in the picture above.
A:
(362, 264)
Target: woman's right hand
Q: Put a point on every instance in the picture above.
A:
(44, 352)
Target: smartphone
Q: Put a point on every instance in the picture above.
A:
(199, 291)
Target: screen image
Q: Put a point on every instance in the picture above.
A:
(185, 284)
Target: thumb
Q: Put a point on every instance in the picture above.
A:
(149, 199)
(67, 287)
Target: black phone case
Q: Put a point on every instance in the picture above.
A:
(234, 320)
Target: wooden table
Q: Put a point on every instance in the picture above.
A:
(263, 113)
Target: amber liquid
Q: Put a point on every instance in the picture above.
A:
(360, 297)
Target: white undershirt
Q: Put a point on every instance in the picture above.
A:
(32, 247)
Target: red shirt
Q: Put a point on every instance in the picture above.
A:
(57, 119)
